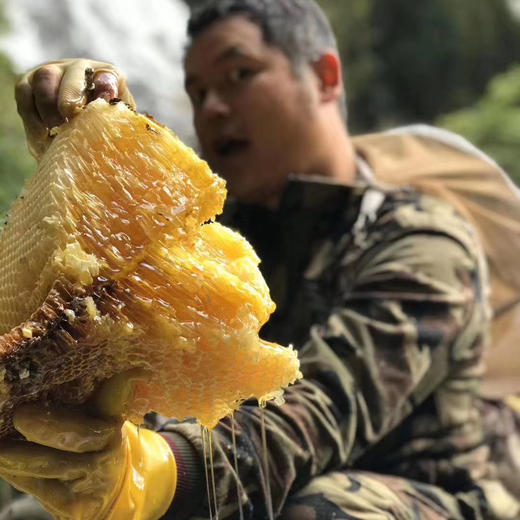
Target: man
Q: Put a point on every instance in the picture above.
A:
(384, 292)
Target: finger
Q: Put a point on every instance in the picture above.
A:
(53, 495)
(35, 129)
(57, 498)
(72, 95)
(24, 459)
(109, 84)
(124, 92)
(65, 429)
(45, 84)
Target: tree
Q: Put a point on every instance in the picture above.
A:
(409, 61)
(493, 123)
(15, 162)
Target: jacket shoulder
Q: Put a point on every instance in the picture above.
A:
(404, 211)
(410, 150)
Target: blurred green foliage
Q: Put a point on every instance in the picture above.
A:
(15, 162)
(493, 123)
(410, 61)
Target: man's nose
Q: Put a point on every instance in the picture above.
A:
(214, 105)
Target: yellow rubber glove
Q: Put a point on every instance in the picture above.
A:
(51, 93)
(88, 468)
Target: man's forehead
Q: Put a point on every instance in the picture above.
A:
(225, 55)
(225, 39)
(221, 56)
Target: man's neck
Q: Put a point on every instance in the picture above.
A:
(336, 159)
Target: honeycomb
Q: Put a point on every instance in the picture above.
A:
(111, 260)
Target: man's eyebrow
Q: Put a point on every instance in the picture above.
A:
(232, 52)
(235, 51)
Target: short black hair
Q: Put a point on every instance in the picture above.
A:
(299, 28)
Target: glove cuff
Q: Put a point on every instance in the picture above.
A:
(191, 482)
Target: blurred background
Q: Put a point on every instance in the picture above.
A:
(455, 64)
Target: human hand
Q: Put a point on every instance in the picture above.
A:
(51, 93)
(82, 467)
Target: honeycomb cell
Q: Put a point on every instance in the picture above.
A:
(111, 260)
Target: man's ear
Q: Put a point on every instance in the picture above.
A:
(328, 70)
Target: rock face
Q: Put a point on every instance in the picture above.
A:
(145, 39)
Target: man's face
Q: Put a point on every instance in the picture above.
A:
(252, 114)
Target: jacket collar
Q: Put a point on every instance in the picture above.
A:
(305, 193)
(311, 209)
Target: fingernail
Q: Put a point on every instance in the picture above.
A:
(105, 86)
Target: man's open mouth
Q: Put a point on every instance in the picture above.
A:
(227, 147)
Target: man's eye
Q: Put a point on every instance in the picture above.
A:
(239, 74)
(198, 96)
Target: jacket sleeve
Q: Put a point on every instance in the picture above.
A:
(412, 304)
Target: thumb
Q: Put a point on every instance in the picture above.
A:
(115, 396)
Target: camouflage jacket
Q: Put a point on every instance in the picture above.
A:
(384, 293)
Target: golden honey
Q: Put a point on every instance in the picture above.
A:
(111, 260)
